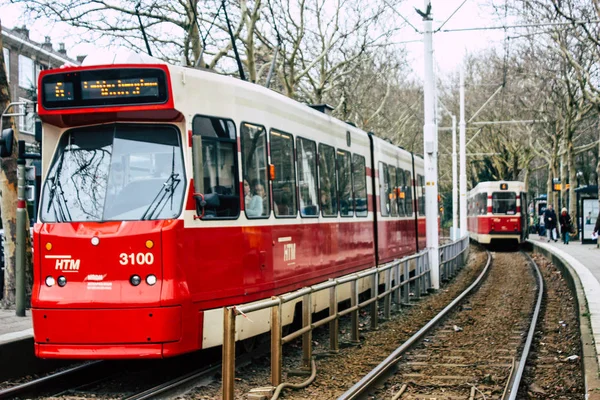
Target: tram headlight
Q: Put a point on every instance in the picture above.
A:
(151, 280)
(62, 281)
(135, 280)
(50, 281)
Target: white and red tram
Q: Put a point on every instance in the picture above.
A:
(495, 212)
(171, 192)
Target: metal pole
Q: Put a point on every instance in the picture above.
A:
(399, 290)
(276, 350)
(374, 306)
(463, 157)
(21, 227)
(355, 338)
(228, 368)
(387, 301)
(454, 183)
(430, 146)
(306, 337)
(406, 286)
(334, 345)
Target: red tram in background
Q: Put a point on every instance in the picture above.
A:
(171, 192)
(495, 212)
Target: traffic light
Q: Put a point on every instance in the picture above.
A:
(30, 183)
(6, 142)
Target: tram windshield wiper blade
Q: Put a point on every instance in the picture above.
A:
(61, 212)
(166, 193)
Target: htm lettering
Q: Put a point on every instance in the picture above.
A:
(65, 265)
(289, 252)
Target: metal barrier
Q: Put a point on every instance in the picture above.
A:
(452, 257)
(397, 284)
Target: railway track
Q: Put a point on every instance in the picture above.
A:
(467, 352)
(60, 380)
(127, 380)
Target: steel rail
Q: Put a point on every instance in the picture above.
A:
(175, 383)
(368, 380)
(161, 391)
(47, 380)
(515, 381)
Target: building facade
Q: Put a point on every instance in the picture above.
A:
(24, 59)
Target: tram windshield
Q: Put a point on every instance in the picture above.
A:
(504, 203)
(115, 172)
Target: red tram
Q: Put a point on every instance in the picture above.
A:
(495, 213)
(171, 192)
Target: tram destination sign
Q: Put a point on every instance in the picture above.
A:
(104, 87)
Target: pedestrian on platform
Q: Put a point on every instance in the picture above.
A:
(565, 225)
(550, 220)
(597, 230)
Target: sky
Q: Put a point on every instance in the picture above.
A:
(449, 48)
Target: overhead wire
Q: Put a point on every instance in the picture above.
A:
(200, 31)
(485, 28)
(451, 15)
(279, 41)
(401, 16)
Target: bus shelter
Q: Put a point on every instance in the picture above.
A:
(587, 211)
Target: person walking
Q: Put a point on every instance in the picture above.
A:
(565, 225)
(550, 220)
(597, 230)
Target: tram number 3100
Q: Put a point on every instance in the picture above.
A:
(136, 258)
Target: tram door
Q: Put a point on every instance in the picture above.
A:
(524, 217)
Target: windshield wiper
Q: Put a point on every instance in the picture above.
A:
(166, 192)
(54, 200)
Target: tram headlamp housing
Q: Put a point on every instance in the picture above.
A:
(62, 281)
(151, 280)
(50, 281)
(135, 280)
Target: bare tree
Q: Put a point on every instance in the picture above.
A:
(8, 200)
(322, 41)
(573, 38)
(173, 28)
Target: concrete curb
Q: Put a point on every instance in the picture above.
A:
(14, 336)
(588, 345)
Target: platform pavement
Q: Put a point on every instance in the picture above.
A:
(13, 328)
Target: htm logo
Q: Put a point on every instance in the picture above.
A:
(289, 251)
(67, 264)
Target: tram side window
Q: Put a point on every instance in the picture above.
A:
(284, 185)
(504, 203)
(219, 160)
(482, 202)
(409, 193)
(307, 177)
(328, 194)
(421, 193)
(359, 185)
(384, 189)
(344, 165)
(254, 168)
(392, 191)
(401, 192)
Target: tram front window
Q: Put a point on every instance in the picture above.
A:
(504, 203)
(115, 172)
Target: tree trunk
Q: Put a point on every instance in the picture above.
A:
(550, 193)
(8, 200)
(598, 165)
(572, 180)
(564, 164)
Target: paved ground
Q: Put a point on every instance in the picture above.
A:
(14, 328)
